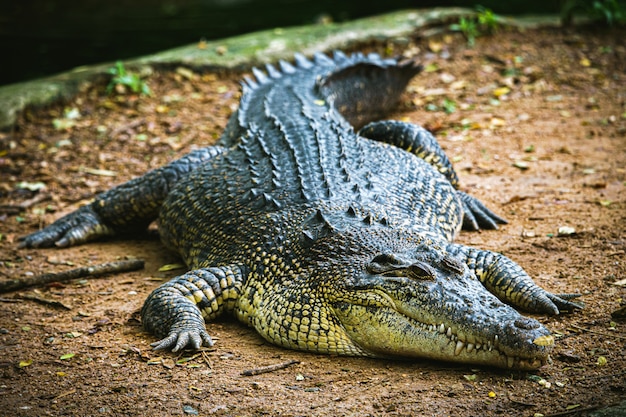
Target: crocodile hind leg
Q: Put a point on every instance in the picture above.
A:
(510, 283)
(176, 311)
(421, 143)
(129, 206)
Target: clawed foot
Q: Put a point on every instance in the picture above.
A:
(181, 337)
(476, 215)
(77, 227)
(544, 302)
(563, 303)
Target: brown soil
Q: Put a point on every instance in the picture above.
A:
(549, 154)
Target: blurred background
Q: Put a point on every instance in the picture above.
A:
(43, 37)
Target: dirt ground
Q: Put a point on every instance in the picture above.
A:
(535, 123)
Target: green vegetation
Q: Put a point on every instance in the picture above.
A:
(485, 21)
(612, 12)
(123, 80)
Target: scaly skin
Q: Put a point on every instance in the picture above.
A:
(323, 239)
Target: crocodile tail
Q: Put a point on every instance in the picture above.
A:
(368, 89)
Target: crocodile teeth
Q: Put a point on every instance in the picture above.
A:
(470, 347)
(496, 340)
(449, 332)
(478, 346)
(459, 347)
(510, 360)
(442, 328)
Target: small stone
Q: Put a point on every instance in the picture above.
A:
(566, 231)
(187, 409)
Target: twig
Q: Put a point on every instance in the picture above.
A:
(18, 208)
(207, 360)
(588, 377)
(65, 394)
(83, 272)
(269, 368)
(598, 333)
(42, 300)
(573, 411)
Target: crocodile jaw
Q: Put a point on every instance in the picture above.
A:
(493, 334)
(389, 334)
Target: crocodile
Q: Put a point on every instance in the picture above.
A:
(326, 229)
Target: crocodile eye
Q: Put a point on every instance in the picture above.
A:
(386, 264)
(386, 259)
(452, 264)
(421, 270)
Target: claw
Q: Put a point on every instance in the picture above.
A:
(563, 304)
(476, 215)
(178, 340)
(75, 228)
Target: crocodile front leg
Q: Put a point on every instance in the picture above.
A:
(129, 206)
(176, 311)
(421, 143)
(509, 282)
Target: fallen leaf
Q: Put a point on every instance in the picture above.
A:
(498, 92)
(30, 186)
(24, 364)
(496, 122)
(521, 165)
(566, 231)
(67, 356)
(554, 98)
(185, 73)
(171, 267)
(99, 172)
(544, 340)
(458, 85)
(431, 68)
(447, 78)
(434, 46)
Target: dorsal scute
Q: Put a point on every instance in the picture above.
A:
(302, 61)
(286, 67)
(272, 71)
(260, 76)
(340, 57)
(322, 60)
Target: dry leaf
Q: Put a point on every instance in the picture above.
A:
(25, 363)
(99, 172)
(170, 267)
(498, 92)
(544, 340)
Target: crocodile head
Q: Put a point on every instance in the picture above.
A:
(395, 294)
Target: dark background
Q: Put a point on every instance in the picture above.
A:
(41, 37)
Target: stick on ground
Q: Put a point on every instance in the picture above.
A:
(83, 272)
(269, 368)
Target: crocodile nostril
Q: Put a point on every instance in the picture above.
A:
(526, 324)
